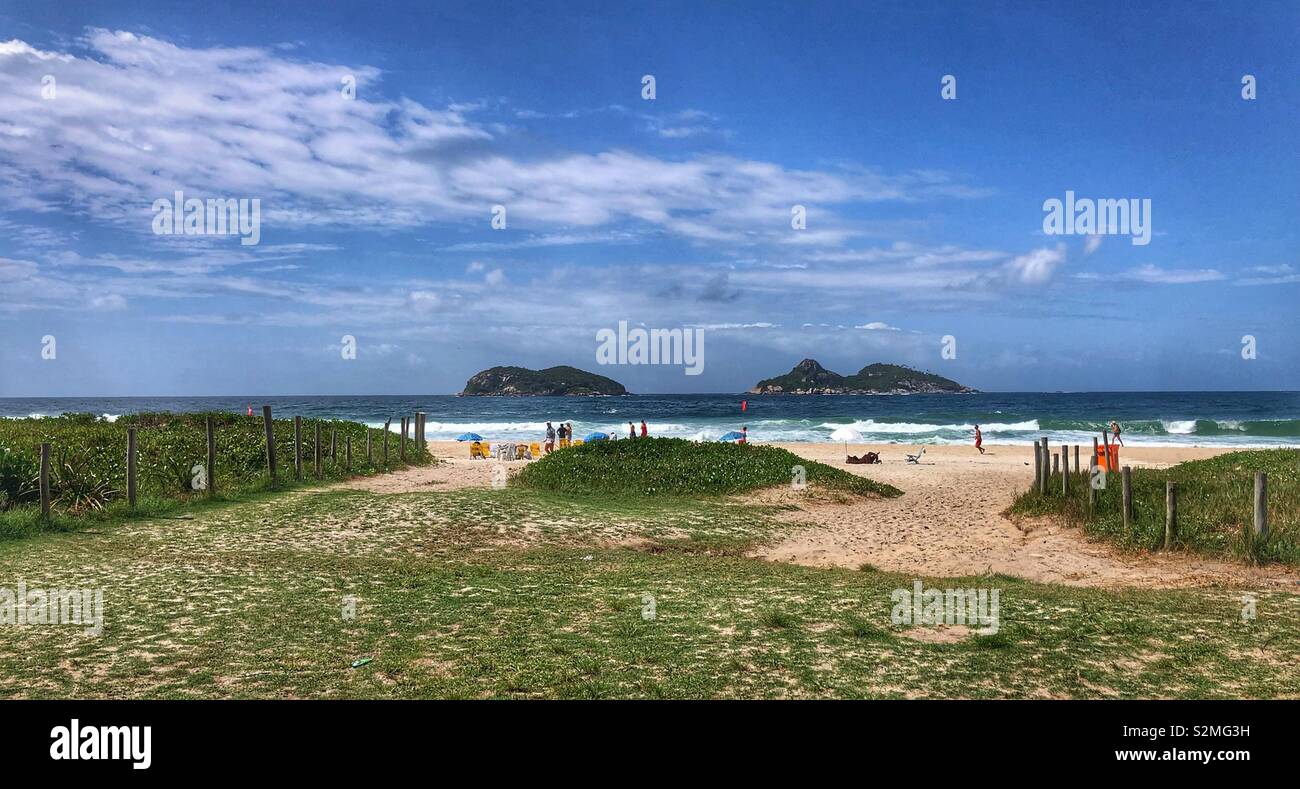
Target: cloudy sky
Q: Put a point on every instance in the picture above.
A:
(924, 216)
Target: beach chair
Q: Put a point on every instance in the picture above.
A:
(476, 450)
(917, 457)
(577, 442)
(536, 449)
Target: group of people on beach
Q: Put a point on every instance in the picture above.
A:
(565, 434)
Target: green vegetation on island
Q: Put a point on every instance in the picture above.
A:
(809, 377)
(553, 381)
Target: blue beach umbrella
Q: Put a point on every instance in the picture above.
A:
(732, 436)
(469, 437)
(596, 437)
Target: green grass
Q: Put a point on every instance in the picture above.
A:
(512, 593)
(88, 464)
(1215, 506)
(677, 467)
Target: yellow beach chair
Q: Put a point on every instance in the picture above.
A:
(577, 442)
(477, 450)
(536, 449)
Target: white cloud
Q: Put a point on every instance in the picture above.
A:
(138, 117)
(1155, 275)
(1036, 267)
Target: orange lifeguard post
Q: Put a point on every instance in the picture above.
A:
(1107, 454)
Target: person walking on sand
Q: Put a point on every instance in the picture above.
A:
(1115, 431)
(979, 440)
(550, 438)
(645, 432)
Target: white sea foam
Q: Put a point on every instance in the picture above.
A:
(1179, 427)
(918, 428)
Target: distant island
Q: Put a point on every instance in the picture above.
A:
(553, 381)
(809, 377)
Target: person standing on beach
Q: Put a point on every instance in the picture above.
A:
(979, 440)
(631, 430)
(569, 426)
(645, 432)
(744, 435)
(1114, 430)
(550, 437)
(564, 436)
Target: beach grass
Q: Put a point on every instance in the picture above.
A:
(677, 467)
(88, 464)
(515, 593)
(1215, 506)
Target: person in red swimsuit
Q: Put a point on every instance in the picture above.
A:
(979, 440)
(644, 430)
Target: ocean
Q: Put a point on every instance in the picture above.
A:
(1243, 419)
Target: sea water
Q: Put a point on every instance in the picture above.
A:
(1246, 419)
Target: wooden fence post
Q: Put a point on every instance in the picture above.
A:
(1056, 462)
(45, 481)
(316, 447)
(212, 457)
(297, 448)
(370, 456)
(1038, 467)
(1077, 467)
(388, 422)
(1094, 451)
(1092, 492)
(130, 467)
(347, 447)
(270, 441)
(334, 447)
(1261, 506)
(401, 451)
(1065, 469)
(419, 430)
(1171, 513)
(1127, 485)
(1047, 465)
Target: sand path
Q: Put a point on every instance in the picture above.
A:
(947, 523)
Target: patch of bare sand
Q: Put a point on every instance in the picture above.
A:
(948, 522)
(456, 470)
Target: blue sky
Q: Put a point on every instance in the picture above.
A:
(924, 216)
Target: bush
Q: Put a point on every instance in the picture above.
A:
(88, 458)
(677, 467)
(1215, 506)
(19, 479)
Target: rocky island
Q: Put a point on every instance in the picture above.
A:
(553, 381)
(809, 377)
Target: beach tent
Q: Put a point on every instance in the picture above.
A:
(734, 435)
(469, 437)
(595, 437)
(846, 434)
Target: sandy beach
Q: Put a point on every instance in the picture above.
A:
(949, 522)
